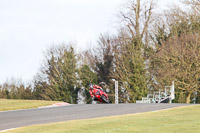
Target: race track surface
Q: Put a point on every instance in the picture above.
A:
(20, 118)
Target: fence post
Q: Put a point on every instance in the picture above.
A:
(172, 90)
(116, 92)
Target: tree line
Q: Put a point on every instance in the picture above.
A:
(149, 51)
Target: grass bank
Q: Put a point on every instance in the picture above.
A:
(7, 104)
(178, 120)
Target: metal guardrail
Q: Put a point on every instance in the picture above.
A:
(166, 94)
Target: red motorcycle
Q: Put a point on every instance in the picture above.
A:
(99, 95)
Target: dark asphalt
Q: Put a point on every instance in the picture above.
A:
(20, 118)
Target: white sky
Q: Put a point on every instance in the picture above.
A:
(28, 27)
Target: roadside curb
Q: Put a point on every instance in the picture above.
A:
(56, 105)
(61, 104)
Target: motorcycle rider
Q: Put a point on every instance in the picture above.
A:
(91, 88)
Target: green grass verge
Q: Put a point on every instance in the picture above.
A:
(177, 120)
(7, 104)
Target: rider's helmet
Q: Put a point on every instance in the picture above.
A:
(91, 86)
(103, 84)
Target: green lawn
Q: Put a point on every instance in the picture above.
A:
(6, 104)
(177, 120)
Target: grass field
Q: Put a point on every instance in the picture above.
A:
(6, 104)
(177, 120)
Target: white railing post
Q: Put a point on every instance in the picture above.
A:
(116, 92)
(172, 90)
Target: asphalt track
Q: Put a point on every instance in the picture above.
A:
(21, 118)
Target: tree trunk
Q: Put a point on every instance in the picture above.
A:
(138, 20)
(188, 98)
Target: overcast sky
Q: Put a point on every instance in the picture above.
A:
(28, 27)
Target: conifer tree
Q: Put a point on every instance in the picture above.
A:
(58, 77)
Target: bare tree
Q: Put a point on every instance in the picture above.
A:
(131, 48)
(179, 59)
(137, 18)
(194, 4)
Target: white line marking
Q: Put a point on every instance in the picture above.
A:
(48, 106)
(8, 129)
